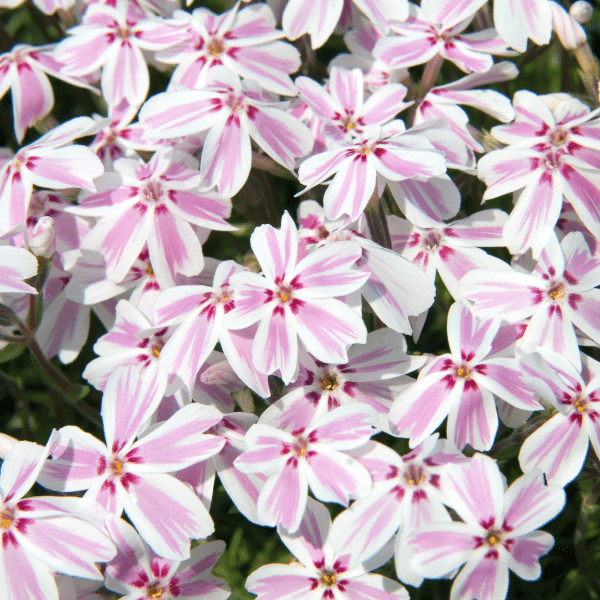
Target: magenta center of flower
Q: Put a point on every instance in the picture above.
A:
(153, 191)
(7, 516)
(284, 293)
(123, 32)
(558, 137)
(156, 348)
(301, 446)
(216, 46)
(432, 240)
(414, 475)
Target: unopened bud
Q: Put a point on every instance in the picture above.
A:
(42, 242)
(220, 373)
(582, 11)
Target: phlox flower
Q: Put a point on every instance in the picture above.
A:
(559, 294)
(141, 574)
(560, 446)
(435, 30)
(24, 71)
(406, 494)
(42, 535)
(244, 41)
(462, 385)
(451, 250)
(49, 162)
(132, 475)
(499, 532)
(342, 107)
(373, 375)
(109, 37)
(314, 457)
(321, 573)
(155, 203)
(553, 151)
(232, 111)
(127, 343)
(356, 166)
(294, 299)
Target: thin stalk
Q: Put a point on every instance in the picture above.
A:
(587, 507)
(267, 164)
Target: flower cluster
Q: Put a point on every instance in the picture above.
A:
(289, 352)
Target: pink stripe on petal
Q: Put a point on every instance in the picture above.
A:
(473, 420)
(23, 575)
(469, 337)
(283, 499)
(128, 402)
(558, 449)
(351, 188)
(167, 513)
(180, 441)
(531, 504)
(336, 477)
(476, 491)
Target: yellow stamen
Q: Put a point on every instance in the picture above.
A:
(117, 467)
(463, 373)
(557, 294)
(155, 592)
(328, 579)
(6, 518)
(284, 296)
(329, 382)
(579, 405)
(149, 271)
(492, 538)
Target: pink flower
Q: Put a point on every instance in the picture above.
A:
(461, 385)
(232, 112)
(498, 534)
(560, 293)
(321, 572)
(131, 475)
(244, 41)
(559, 447)
(143, 575)
(50, 162)
(308, 457)
(552, 152)
(297, 298)
(435, 30)
(156, 203)
(357, 165)
(111, 39)
(41, 535)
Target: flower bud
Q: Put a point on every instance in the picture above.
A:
(42, 241)
(582, 11)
